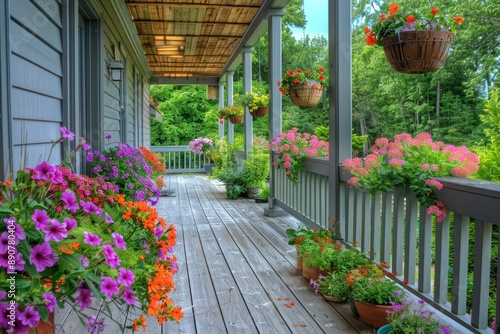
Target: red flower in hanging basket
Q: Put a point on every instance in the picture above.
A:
(299, 77)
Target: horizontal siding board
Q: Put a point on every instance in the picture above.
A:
(30, 105)
(37, 153)
(30, 47)
(30, 131)
(51, 9)
(111, 125)
(30, 16)
(34, 78)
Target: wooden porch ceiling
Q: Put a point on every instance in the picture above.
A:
(195, 39)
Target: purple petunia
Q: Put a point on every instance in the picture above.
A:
(89, 207)
(18, 262)
(84, 261)
(42, 256)
(4, 242)
(91, 239)
(66, 133)
(86, 147)
(58, 176)
(69, 200)
(40, 218)
(95, 327)
(50, 301)
(12, 225)
(125, 277)
(70, 223)
(29, 317)
(128, 296)
(119, 241)
(109, 287)
(111, 258)
(108, 136)
(45, 171)
(108, 218)
(55, 230)
(84, 298)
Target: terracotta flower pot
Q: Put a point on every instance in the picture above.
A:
(313, 272)
(44, 327)
(373, 315)
(335, 300)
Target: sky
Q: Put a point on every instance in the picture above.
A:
(317, 19)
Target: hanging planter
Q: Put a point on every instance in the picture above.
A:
(306, 95)
(305, 88)
(259, 112)
(236, 119)
(419, 51)
(413, 41)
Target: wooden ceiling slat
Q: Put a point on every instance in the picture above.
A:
(212, 29)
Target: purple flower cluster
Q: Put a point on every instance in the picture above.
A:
(126, 167)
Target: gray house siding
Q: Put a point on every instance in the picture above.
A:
(36, 81)
(146, 117)
(54, 58)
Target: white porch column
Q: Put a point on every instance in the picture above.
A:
(220, 106)
(275, 103)
(340, 95)
(247, 88)
(230, 126)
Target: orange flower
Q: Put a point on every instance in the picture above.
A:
(459, 19)
(410, 19)
(127, 215)
(371, 40)
(434, 11)
(354, 244)
(393, 9)
(176, 313)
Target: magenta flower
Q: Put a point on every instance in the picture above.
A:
(58, 176)
(108, 218)
(45, 171)
(40, 218)
(42, 256)
(95, 327)
(55, 230)
(84, 261)
(89, 207)
(69, 200)
(29, 317)
(50, 301)
(108, 136)
(70, 223)
(4, 242)
(86, 147)
(84, 298)
(119, 241)
(14, 226)
(111, 258)
(109, 287)
(18, 262)
(91, 239)
(125, 277)
(66, 133)
(128, 296)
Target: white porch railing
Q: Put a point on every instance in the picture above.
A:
(180, 159)
(394, 228)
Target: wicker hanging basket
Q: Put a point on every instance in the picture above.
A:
(306, 95)
(259, 112)
(420, 51)
(236, 119)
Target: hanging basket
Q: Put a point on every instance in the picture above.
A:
(306, 95)
(259, 112)
(420, 51)
(236, 119)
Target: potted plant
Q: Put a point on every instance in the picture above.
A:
(333, 286)
(234, 113)
(255, 172)
(413, 42)
(258, 104)
(203, 146)
(321, 253)
(263, 194)
(235, 182)
(305, 88)
(373, 295)
(292, 147)
(407, 317)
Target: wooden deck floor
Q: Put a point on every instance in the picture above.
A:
(236, 270)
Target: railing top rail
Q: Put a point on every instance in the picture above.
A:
(170, 148)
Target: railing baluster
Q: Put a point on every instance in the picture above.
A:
(410, 240)
(351, 214)
(375, 229)
(460, 259)
(482, 259)
(424, 248)
(358, 215)
(385, 251)
(365, 222)
(397, 237)
(442, 260)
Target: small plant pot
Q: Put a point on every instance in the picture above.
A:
(236, 119)
(313, 272)
(259, 112)
(335, 300)
(373, 315)
(300, 259)
(252, 192)
(386, 329)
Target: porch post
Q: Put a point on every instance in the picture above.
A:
(340, 95)
(220, 106)
(230, 126)
(6, 159)
(275, 103)
(247, 88)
